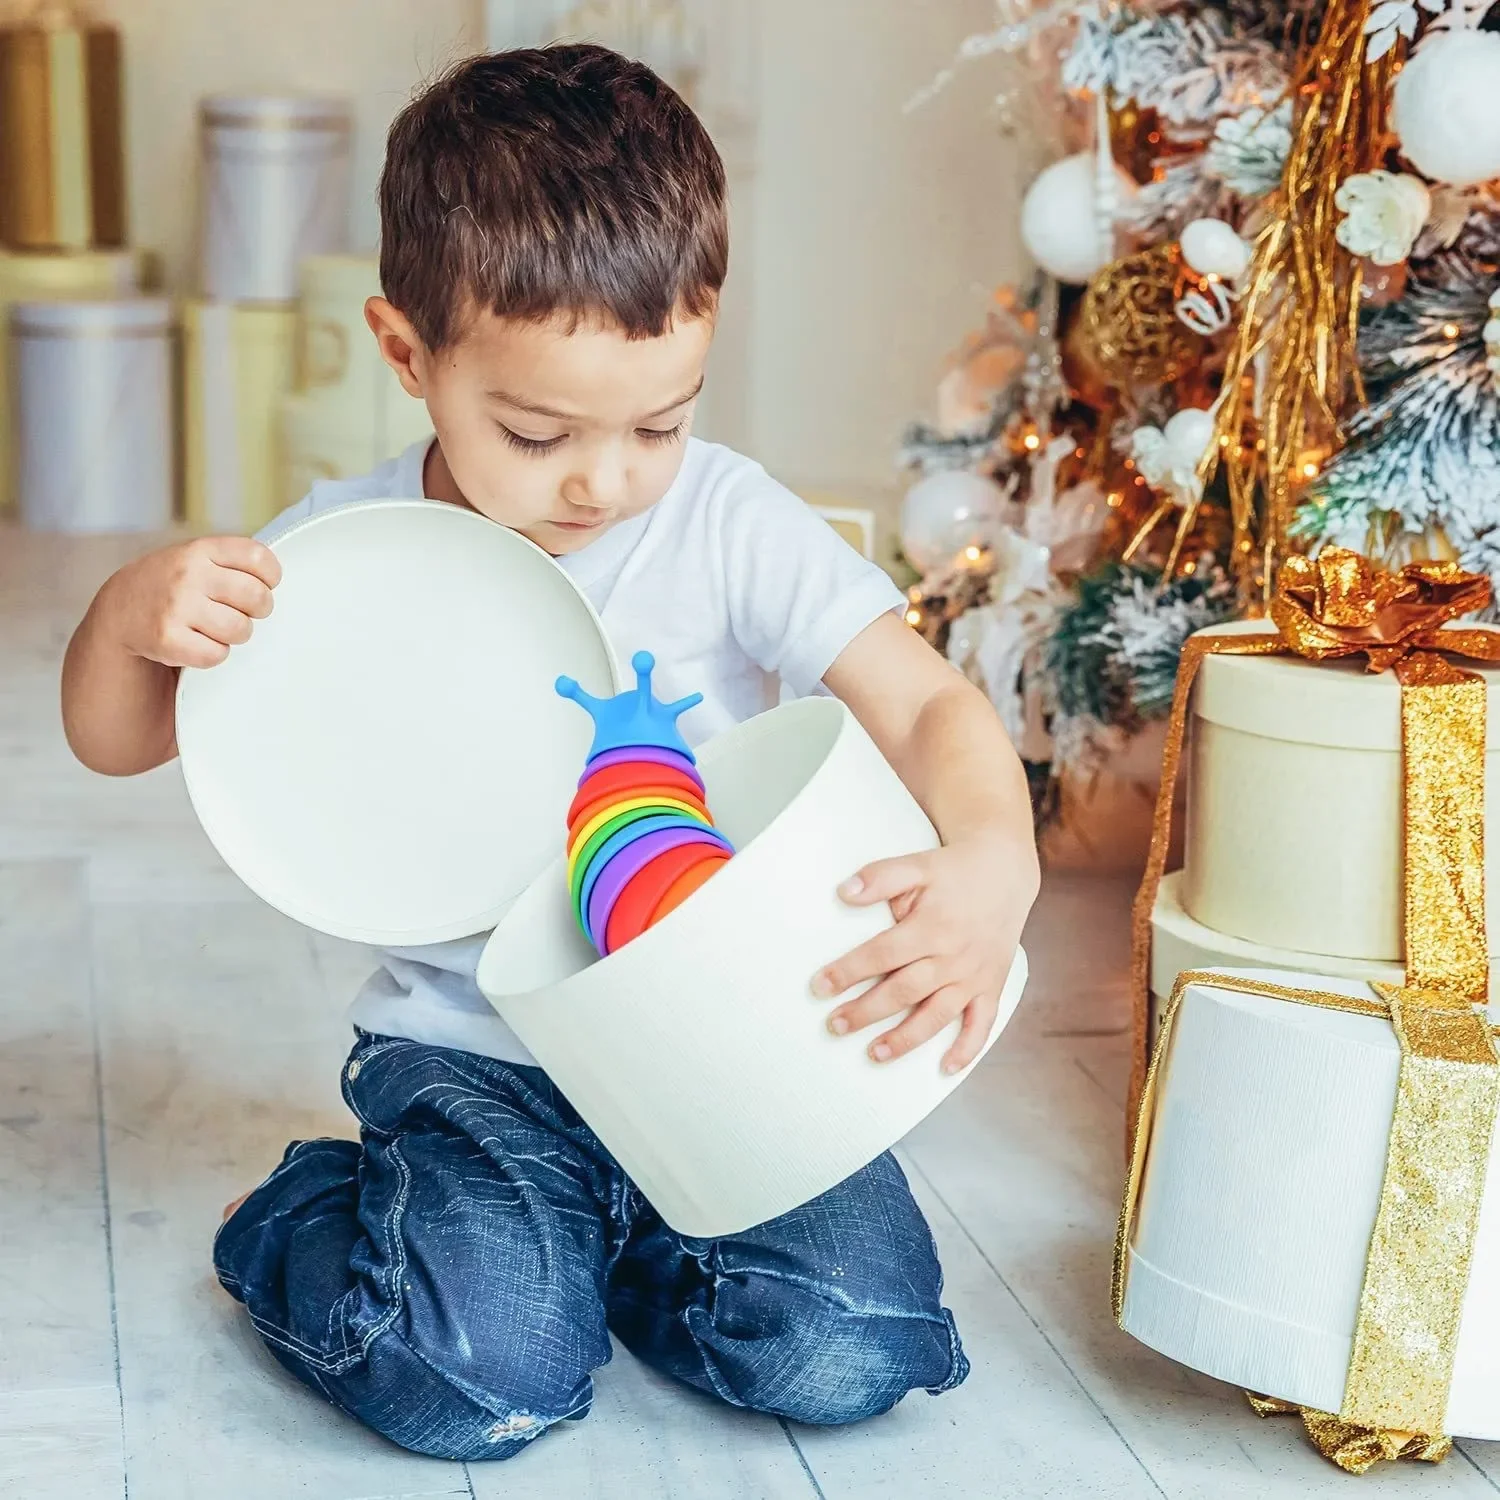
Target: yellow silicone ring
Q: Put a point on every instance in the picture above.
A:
(587, 831)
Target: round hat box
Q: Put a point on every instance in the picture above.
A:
(1264, 1166)
(696, 1052)
(388, 760)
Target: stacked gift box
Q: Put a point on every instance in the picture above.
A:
(1308, 1212)
(274, 190)
(102, 426)
(85, 367)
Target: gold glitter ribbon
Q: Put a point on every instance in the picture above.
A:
(1339, 605)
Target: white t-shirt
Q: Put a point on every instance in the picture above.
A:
(740, 591)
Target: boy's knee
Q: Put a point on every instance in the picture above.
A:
(844, 1366)
(404, 1393)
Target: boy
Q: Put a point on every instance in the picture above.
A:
(554, 242)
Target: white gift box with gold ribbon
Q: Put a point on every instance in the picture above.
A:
(1264, 1146)
(53, 278)
(94, 429)
(1294, 832)
(275, 189)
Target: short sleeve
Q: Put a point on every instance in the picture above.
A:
(797, 592)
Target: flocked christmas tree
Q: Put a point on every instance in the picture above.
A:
(1267, 317)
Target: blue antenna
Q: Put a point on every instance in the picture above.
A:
(633, 717)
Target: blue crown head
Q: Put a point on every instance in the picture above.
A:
(634, 717)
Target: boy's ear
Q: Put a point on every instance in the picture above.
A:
(400, 347)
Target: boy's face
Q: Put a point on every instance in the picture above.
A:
(557, 432)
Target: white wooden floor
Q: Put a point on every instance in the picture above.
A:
(162, 1035)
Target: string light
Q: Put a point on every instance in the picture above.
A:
(1451, 330)
(1309, 470)
(914, 616)
(973, 554)
(1114, 499)
(1031, 442)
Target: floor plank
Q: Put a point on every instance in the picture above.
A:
(218, 1046)
(61, 1444)
(57, 1344)
(647, 1436)
(1021, 1418)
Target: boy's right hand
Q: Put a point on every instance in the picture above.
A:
(186, 605)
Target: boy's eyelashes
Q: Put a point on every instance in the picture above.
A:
(546, 445)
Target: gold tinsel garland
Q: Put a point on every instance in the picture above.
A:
(1291, 372)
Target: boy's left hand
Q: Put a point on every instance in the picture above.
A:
(959, 913)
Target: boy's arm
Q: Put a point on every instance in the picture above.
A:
(182, 606)
(959, 909)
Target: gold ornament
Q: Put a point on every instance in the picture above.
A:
(1130, 322)
(1087, 380)
(1291, 373)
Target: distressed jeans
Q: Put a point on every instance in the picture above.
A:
(451, 1279)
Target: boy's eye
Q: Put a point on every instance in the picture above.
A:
(526, 444)
(659, 435)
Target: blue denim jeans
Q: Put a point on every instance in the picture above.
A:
(452, 1278)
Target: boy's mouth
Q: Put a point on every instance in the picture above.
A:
(578, 525)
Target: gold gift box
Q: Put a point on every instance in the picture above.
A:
(62, 166)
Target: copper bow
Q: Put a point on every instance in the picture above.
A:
(1340, 604)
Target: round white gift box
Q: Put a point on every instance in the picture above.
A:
(275, 188)
(1263, 1173)
(93, 414)
(388, 760)
(1179, 943)
(1294, 805)
(697, 1053)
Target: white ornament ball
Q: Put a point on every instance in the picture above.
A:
(1212, 248)
(1446, 107)
(1189, 432)
(1060, 218)
(944, 513)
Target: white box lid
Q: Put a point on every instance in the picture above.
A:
(1337, 703)
(387, 759)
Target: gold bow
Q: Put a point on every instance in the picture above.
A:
(1337, 605)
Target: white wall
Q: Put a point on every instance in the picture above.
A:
(176, 51)
(878, 235)
(874, 236)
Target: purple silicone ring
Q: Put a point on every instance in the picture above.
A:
(650, 753)
(628, 863)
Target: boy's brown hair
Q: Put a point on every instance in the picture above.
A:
(554, 180)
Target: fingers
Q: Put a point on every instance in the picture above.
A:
(245, 555)
(220, 623)
(244, 592)
(189, 648)
(884, 953)
(895, 994)
(979, 1019)
(924, 1023)
(884, 880)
